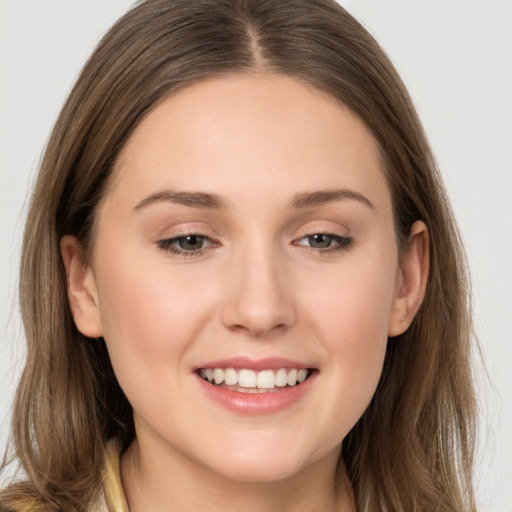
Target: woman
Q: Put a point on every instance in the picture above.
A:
(242, 285)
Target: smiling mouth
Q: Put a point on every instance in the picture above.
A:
(250, 381)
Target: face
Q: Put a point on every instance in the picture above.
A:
(245, 276)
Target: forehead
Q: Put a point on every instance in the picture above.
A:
(250, 132)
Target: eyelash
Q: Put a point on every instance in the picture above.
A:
(170, 245)
(343, 243)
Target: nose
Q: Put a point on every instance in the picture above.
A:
(259, 297)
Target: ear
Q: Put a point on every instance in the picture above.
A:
(81, 286)
(411, 280)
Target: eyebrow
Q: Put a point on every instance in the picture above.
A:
(206, 200)
(193, 199)
(320, 197)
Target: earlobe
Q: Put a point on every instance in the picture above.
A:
(81, 288)
(411, 280)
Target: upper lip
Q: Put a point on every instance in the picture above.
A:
(267, 363)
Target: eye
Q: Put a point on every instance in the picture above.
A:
(187, 245)
(325, 242)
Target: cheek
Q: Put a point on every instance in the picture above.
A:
(149, 316)
(351, 319)
(353, 306)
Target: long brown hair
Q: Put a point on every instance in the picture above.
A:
(412, 450)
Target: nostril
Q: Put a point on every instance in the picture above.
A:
(258, 329)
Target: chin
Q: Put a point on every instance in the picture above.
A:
(263, 465)
(260, 471)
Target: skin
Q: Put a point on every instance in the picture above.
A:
(256, 289)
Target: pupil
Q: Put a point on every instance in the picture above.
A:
(320, 241)
(191, 242)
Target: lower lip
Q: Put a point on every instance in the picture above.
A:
(257, 403)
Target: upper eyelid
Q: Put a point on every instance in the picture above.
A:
(326, 226)
(326, 232)
(330, 232)
(189, 232)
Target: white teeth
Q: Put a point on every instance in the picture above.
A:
(230, 377)
(247, 379)
(281, 378)
(251, 380)
(218, 375)
(266, 379)
(292, 377)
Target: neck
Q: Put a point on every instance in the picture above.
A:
(157, 484)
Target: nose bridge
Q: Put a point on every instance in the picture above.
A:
(258, 300)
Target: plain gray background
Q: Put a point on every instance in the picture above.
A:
(456, 58)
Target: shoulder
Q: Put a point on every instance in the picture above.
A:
(23, 497)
